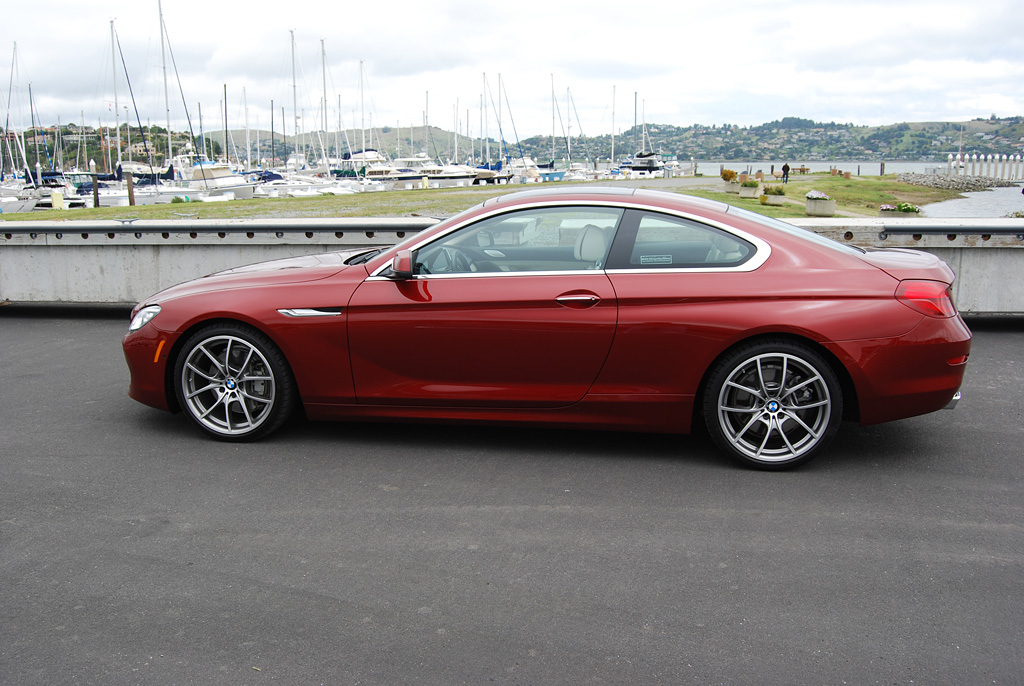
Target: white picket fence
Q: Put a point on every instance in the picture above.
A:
(1009, 167)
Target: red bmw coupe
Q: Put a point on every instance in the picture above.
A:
(605, 308)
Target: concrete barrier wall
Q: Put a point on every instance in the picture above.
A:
(123, 263)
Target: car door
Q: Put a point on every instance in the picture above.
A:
(512, 311)
(680, 284)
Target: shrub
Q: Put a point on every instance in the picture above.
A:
(817, 195)
(750, 183)
(907, 207)
(728, 175)
(775, 190)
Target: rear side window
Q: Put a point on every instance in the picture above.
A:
(667, 242)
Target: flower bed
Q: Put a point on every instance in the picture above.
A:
(901, 209)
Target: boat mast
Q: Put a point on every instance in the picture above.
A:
(7, 127)
(362, 117)
(323, 68)
(248, 145)
(553, 123)
(80, 158)
(113, 62)
(295, 96)
(503, 151)
(568, 121)
(487, 138)
(613, 127)
(167, 102)
(35, 131)
(227, 150)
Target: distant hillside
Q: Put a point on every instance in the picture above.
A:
(793, 139)
(790, 138)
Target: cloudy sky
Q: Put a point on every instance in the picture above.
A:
(676, 62)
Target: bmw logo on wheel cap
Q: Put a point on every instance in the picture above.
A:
(773, 406)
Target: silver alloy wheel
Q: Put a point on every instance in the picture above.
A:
(774, 407)
(228, 385)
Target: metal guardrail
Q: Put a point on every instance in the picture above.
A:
(947, 230)
(179, 227)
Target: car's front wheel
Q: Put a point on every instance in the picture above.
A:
(234, 382)
(773, 404)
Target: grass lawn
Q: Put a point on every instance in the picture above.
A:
(858, 196)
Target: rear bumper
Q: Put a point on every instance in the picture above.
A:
(914, 374)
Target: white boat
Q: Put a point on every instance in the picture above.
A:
(216, 178)
(524, 169)
(646, 165)
(445, 175)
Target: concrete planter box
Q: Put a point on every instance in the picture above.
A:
(896, 214)
(732, 187)
(750, 191)
(773, 199)
(817, 207)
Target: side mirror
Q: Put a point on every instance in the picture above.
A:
(401, 266)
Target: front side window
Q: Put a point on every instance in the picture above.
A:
(545, 239)
(667, 242)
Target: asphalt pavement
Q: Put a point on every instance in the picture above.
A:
(133, 550)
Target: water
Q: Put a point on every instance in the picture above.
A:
(872, 168)
(997, 202)
(862, 168)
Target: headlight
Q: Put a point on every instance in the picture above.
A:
(143, 316)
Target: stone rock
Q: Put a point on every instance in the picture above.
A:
(964, 184)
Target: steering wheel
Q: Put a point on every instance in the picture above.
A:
(449, 260)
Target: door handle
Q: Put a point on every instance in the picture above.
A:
(579, 300)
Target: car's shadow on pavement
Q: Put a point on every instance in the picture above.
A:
(906, 444)
(893, 445)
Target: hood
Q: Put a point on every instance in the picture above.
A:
(334, 260)
(282, 271)
(909, 264)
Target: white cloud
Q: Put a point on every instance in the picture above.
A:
(869, 62)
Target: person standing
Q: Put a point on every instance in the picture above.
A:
(785, 172)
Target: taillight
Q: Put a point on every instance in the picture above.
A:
(932, 298)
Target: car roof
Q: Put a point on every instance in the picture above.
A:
(639, 196)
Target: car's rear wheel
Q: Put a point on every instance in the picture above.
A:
(773, 404)
(234, 382)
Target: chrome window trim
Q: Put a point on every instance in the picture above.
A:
(480, 274)
(762, 250)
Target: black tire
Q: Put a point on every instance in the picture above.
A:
(234, 383)
(773, 404)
